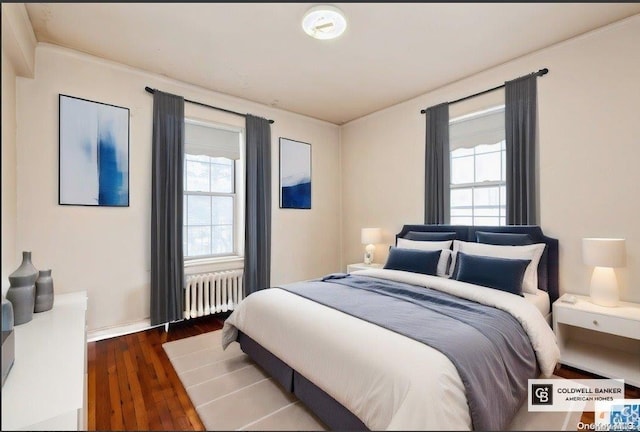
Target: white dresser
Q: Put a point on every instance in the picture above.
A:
(47, 387)
(597, 339)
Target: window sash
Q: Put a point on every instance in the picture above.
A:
(210, 166)
(473, 135)
(212, 225)
(475, 211)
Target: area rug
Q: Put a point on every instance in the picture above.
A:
(231, 392)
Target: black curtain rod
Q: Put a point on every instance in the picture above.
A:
(152, 91)
(539, 73)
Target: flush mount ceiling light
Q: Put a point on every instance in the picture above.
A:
(324, 22)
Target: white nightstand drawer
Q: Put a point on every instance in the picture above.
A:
(598, 322)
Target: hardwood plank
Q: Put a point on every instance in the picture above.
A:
(160, 382)
(116, 419)
(163, 410)
(148, 383)
(139, 408)
(91, 388)
(102, 403)
(126, 399)
(158, 378)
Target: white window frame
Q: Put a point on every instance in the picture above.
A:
(236, 258)
(481, 184)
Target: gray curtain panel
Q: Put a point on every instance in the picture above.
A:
(167, 265)
(437, 169)
(520, 134)
(257, 248)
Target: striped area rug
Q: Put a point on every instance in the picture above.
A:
(231, 392)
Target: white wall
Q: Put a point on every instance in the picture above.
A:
(589, 148)
(106, 250)
(18, 52)
(10, 258)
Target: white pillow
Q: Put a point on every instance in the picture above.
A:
(444, 246)
(443, 263)
(531, 252)
(424, 245)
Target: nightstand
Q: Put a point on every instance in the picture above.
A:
(362, 266)
(601, 340)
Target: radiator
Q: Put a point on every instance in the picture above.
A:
(210, 293)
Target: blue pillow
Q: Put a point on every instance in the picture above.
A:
(505, 239)
(499, 273)
(413, 260)
(430, 236)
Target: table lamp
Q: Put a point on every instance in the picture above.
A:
(369, 237)
(604, 254)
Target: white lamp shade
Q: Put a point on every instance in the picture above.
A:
(371, 236)
(604, 252)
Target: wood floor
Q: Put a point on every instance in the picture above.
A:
(132, 385)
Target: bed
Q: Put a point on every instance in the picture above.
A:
(391, 349)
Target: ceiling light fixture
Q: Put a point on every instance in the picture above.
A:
(324, 22)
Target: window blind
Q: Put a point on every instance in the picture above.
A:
(210, 141)
(487, 128)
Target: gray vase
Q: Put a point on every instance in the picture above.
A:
(7, 315)
(44, 291)
(22, 291)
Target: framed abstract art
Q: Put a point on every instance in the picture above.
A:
(93, 153)
(295, 174)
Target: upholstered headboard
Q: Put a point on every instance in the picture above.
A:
(549, 262)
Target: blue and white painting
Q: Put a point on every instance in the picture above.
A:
(295, 174)
(94, 153)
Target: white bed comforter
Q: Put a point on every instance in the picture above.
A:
(389, 381)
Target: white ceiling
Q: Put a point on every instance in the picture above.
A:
(258, 51)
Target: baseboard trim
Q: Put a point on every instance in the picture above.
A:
(119, 330)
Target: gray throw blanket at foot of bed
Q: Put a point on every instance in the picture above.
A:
(488, 346)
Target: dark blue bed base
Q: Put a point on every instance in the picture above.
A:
(326, 408)
(330, 411)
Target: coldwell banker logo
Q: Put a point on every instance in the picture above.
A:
(563, 395)
(541, 394)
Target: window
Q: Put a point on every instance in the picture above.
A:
(478, 168)
(212, 192)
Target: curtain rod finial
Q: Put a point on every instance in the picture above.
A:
(543, 71)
